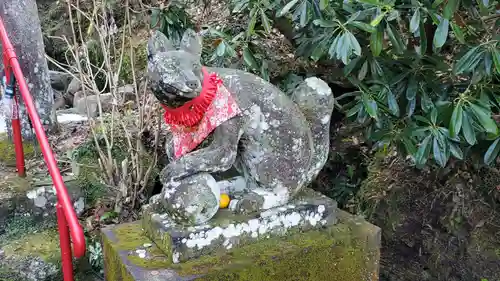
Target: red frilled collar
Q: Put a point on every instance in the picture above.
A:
(191, 113)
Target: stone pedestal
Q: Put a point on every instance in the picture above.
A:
(309, 239)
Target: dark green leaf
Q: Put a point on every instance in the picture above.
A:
(488, 63)
(394, 14)
(323, 4)
(249, 59)
(439, 152)
(354, 43)
(423, 39)
(441, 33)
(287, 8)
(423, 151)
(303, 14)
(264, 70)
(411, 91)
(422, 119)
(496, 59)
(436, 3)
(372, 2)
(393, 104)
(353, 17)
(456, 120)
(468, 131)
(334, 46)
(355, 109)
(324, 23)
(377, 19)
(376, 42)
(492, 152)
(467, 61)
(415, 21)
(395, 38)
(411, 107)
(434, 115)
(221, 49)
(350, 67)
(363, 71)
(265, 21)
(459, 34)
(252, 22)
(450, 8)
(370, 105)
(484, 118)
(155, 18)
(344, 48)
(456, 151)
(362, 26)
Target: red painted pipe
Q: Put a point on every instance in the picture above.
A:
(65, 242)
(63, 198)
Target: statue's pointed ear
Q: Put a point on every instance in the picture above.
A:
(192, 43)
(159, 43)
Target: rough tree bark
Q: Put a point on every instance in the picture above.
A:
(23, 26)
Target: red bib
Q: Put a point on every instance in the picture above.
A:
(221, 108)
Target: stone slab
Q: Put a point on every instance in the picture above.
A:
(33, 257)
(310, 210)
(346, 251)
(28, 197)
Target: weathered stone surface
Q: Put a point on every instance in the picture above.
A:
(346, 251)
(60, 80)
(34, 257)
(226, 230)
(81, 102)
(26, 196)
(277, 143)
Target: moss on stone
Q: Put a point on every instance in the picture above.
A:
(44, 245)
(8, 153)
(348, 251)
(128, 238)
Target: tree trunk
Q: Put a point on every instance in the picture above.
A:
(23, 27)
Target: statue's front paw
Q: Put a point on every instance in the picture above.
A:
(193, 200)
(247, 204)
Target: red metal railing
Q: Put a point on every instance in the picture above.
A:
(70, 229)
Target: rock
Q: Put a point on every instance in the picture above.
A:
(307, 212)
(74, 86)
(81, 102)
(343, 247)
(34, 257)
(21, 196)
(60, 80)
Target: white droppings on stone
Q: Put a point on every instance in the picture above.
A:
(40, 201)
(175, 257)
(325, 119)
(141, 253)
(319, 86)
(79, 205)
(321, 209)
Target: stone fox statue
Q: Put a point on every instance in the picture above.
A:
(278, 144)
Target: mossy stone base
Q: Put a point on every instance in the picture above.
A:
(309, 210)
(346, 251)
(33, 257)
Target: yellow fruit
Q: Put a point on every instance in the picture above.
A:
(224, 201)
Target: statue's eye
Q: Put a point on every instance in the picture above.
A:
(167, 88)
